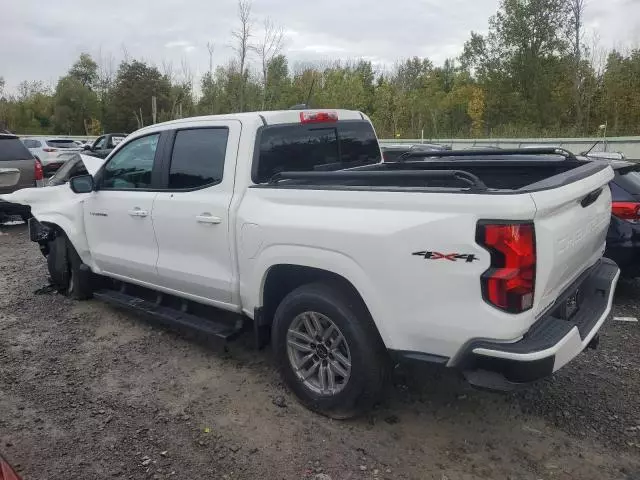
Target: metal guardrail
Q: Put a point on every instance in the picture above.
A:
(71, 137)
(630, 146)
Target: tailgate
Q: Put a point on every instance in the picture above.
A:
(571, 224)
(15, 174)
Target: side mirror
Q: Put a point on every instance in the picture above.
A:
(86, 147)
(81, 184)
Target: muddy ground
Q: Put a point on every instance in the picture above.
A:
(91, 392)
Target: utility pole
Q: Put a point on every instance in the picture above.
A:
(154, 108)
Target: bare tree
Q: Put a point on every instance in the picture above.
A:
(187, 73)
(242, 47)
(167, 70)
(125, 53)
(211, 48)
(597, 57)
(269, 47)
(576, 12)
(106, 70)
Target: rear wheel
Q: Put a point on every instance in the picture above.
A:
(68, 274)
(328, 351)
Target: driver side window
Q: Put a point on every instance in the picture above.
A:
(131, 167)
(99, 143)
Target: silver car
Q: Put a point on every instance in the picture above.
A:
(49, 150)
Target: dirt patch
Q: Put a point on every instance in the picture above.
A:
(91, 392)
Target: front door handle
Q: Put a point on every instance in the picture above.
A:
(208, 218)
(138, 212)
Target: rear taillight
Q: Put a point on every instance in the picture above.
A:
(50, 150)
(318, 117)
(38, 172)
(509, 282)
(629, 211)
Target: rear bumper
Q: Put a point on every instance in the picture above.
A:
(551, 342)
(8, 208)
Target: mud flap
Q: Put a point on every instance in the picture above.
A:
(261, 329)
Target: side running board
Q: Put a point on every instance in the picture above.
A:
(171, 317)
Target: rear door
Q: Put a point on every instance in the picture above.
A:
(17, 165)
(191, 217)
(571, 224)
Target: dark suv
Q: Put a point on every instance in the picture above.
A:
(18, 169)
(623, 237)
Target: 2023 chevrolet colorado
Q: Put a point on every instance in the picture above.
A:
(489, 262)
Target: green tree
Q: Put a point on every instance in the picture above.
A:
(75, 106)
(130, 100)
(85, 70)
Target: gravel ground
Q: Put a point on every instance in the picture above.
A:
(91, 392)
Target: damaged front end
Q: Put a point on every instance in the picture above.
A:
(41, 234)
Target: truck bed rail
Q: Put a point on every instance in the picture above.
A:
(474, 182)
(488, 153)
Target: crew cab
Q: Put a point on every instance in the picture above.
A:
(290, 223)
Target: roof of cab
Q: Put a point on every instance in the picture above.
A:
(269, 117)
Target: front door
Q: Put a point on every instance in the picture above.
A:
(118, 215)
(191, 218)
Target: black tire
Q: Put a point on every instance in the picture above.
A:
(369, 359)
(68, 274)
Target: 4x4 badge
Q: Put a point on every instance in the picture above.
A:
(467, 257)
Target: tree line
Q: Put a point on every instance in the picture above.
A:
(533, 74)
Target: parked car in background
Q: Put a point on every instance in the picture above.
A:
(391, 151)
(48, 151)
(18, 169)
(623, 236)
(104, 144)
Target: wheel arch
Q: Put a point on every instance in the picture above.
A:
(74, 234)
(281, 276)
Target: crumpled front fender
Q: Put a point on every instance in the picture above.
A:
(57, 206)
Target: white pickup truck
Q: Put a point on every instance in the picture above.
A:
(486, 261)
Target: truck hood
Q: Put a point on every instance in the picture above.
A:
(92, 164)
(58, 197)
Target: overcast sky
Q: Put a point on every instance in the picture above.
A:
(39, 40)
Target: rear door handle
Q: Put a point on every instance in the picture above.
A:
(137, 212)
(208, 218)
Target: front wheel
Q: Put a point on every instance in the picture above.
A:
(68, 274)
(328, 350)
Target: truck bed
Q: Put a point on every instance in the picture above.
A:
(505, 174)
(483, 175)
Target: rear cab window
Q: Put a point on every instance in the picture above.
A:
(11, 148)
(60, 143)
(314, 147)
(115, 140)
(31, 143)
